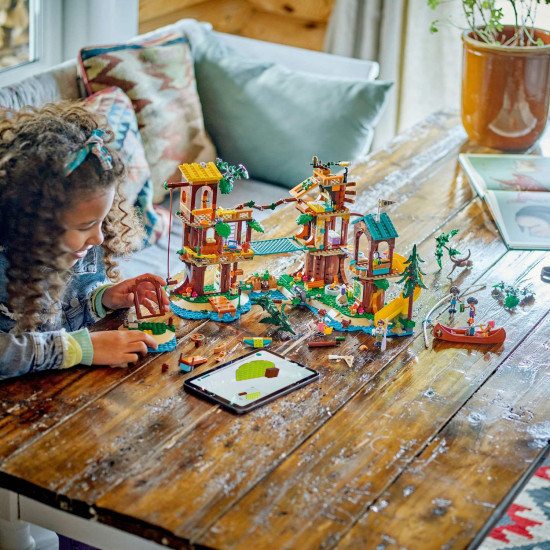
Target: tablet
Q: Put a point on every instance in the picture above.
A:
(250, 381)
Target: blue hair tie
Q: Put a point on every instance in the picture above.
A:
(94, 145)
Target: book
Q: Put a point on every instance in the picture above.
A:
(516, 188)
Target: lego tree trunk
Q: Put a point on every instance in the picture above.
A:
(197, 279)
(373, 297)
(225, 277)
(324, 268)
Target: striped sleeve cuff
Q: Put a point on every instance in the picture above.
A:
(84, 343)
(97, 305)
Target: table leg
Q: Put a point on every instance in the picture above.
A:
(14, 534)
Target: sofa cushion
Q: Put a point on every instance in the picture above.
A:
(273, 120)
(116, 106)
(158, 77)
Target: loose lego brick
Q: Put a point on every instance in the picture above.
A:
(322, 343)
(164, 367)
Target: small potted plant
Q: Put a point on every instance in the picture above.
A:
(505, 74)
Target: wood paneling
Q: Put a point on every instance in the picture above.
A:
(300, 23)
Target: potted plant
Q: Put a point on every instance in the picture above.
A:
(505, 74)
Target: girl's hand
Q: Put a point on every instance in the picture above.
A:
(112, 347)
(122, 295)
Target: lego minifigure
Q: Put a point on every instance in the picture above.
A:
(455, 291)
(379, 333)
(471, 301)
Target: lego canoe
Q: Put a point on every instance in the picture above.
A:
(462, 335)
(257, 342)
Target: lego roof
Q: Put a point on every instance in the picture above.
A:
(198, 173)
(380, 230)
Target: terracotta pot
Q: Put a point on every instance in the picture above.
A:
(505, 92)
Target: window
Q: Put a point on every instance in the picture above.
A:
(30, 37)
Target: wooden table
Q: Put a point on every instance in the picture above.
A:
(410, 448)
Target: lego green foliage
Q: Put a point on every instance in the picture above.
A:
(412, 276)
(276, 317)
(442, 244)
(255, 225)
(382, 284)
(303, 219)
(223, 229)
(512, 296)
(230, 175)
(285, 280)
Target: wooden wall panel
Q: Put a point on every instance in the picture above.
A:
(225, 15)
(314, 10)
(151, 9)
(300, 23)
(284, 30)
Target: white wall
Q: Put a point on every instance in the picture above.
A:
(97, 22)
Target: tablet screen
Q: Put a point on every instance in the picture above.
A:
(251, 380)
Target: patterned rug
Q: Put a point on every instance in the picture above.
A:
(526, 524)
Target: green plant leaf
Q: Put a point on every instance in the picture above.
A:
(303, 219)
(223, 229)
(256, 226)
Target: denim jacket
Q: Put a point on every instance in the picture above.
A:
(37, 351)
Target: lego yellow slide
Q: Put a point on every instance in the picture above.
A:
(399, 305)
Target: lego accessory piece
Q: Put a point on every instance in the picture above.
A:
(464, 335)
(348, 359)
(545, 274)
(198, 339)
(139, 297)
(322, 343)
(258, 342)
(93, 145)
(250, 381)
(510, 296)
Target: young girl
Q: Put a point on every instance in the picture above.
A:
(61, 225)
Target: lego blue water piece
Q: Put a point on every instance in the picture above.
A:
(167, 346)
(212, 315)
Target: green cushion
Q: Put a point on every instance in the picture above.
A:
(274, 120)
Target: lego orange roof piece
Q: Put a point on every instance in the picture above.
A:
(305, 187)
(200, 173)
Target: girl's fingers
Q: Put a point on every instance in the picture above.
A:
(138, 336)
(139, 347)
(129, 358)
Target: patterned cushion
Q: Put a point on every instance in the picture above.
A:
(158, 77)
(114, 104)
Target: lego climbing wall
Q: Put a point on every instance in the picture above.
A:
(300, 23)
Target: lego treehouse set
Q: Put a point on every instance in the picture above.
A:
(218, 238)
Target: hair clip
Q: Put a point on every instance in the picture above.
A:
(94, 145)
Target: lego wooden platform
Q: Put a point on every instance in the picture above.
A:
(409, 448)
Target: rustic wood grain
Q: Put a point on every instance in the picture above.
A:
(311, 498)
(141, 454)
(150, 9)
(302, 412)
(31, 405)
(225, 15)
(300, 23)
(313, 10)
(272, 27)
(452, 488)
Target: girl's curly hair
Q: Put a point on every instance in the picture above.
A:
(35, 193)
